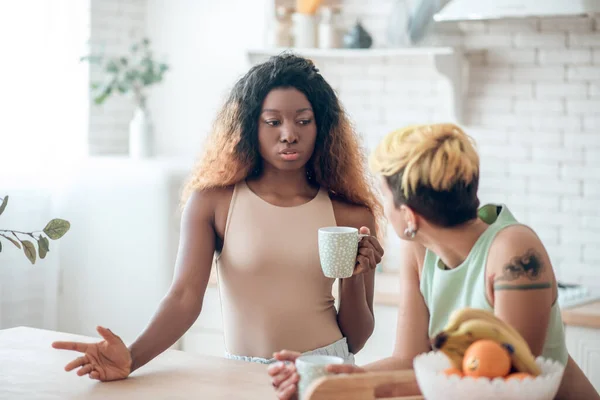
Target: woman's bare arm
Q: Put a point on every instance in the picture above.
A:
(182, 304)
(523, 283)
(412, 336)
(355, 314)
(524, 289)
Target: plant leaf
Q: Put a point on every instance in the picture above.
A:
(147, 78)
(43, 246)
(29, 250)
(3, 205)
(13, 241)
(112, 67)
(103, 96)
(56, 228)
(123, 87)
(92, 59)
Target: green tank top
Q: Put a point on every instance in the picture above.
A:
(464, 286)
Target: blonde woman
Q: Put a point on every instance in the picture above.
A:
(457, 253)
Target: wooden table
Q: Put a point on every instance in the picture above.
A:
(31, 369)
(586, 315)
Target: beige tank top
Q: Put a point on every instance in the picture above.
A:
(273, 293)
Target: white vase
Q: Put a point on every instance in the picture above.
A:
(140, 135)
(305, 31)
(397, 25)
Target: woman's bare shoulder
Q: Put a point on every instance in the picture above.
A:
(209, 197)
(347, 214)
(208, 201)
(412, 255)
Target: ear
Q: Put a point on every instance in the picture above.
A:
(410, 217)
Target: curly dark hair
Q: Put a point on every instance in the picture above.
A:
(232, 151)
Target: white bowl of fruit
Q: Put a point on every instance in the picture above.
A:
(481, 357)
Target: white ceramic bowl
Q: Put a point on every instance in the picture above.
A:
(437, 386)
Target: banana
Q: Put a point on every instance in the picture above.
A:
(454, 343)
(467, 313)
(454, 348)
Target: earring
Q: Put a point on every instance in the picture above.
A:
(410, 233)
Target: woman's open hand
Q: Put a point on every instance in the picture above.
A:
(370, 252)
(108, 360)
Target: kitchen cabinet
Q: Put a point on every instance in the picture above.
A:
(582, 328)
(584, 347)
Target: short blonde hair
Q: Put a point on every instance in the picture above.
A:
(422, 161)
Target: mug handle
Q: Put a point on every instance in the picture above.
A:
(362, 235)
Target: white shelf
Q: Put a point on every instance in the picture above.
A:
(449, 62)
(359, 53)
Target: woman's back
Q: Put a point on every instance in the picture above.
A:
(445, 291)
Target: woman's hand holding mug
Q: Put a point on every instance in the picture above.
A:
(346, 251)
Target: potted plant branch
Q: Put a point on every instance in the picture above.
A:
(131, 75)
(54, 230)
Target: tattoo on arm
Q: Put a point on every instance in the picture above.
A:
(527, 265)
(530, 286)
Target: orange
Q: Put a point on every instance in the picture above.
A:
(453, 371)
(519, 376)
(486, 358)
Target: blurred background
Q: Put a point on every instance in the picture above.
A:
(105, 142)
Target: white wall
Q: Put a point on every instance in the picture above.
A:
(205, 43)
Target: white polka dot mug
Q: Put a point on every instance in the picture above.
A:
(312, 367)
(338, 248)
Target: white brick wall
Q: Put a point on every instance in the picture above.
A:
(533, 107)
(114, 24)
(553, 177)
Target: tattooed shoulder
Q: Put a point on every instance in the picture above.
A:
(528, 265)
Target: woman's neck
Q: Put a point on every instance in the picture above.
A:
(453, 245)
(283, 183)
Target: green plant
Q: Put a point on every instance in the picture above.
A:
(130, 74)
(55, 229)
